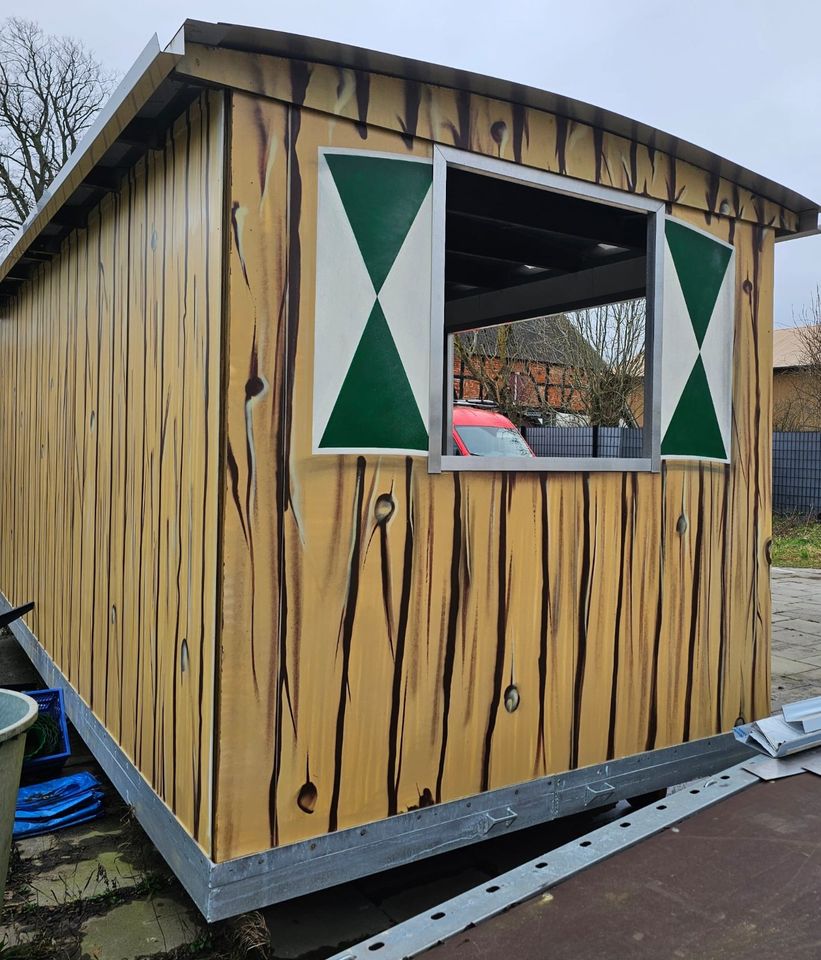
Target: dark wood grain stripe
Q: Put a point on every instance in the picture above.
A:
(127, 515)
(723, 631)
(346, 638)
(501, 631)
(758, 626)
(695, 598)
(394, 746)
(452, 623)
(362, 80)
(652, 720)
(100, 272)
(409, 122)
(544, 621)
(624, 575)
(300, 75)
(583, 622)
(521, 130)
(562, 125)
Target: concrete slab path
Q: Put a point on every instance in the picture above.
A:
(796, 663)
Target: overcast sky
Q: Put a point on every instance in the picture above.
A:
(739, 77)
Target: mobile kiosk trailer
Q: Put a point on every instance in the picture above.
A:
(303, 639)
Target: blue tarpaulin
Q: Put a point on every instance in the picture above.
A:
(53, 804)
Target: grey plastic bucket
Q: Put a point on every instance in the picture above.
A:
(17, 713)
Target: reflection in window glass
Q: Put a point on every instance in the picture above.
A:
(546, 316)
(493, 442)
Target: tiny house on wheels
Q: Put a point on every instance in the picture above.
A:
(304, 639)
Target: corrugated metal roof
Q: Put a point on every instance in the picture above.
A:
(149, 91)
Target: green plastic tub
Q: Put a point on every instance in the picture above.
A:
(17, 713)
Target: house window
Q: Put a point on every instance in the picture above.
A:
(544, 313)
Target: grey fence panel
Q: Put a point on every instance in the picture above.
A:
(797, 472)
(796, 458)
(584, 441)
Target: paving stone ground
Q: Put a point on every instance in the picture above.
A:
(100, 892)
(796, 662)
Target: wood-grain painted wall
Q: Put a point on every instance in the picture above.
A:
(160, 501)
(374, 614)
(109, 426)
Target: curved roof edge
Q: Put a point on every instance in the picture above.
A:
(148, 94)
(276, 43)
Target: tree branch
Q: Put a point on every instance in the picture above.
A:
(50, 91)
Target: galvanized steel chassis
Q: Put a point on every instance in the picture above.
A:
(222, 890)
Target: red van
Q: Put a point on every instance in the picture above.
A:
(480, 431)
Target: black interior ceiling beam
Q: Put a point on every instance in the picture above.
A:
(610, 283)
(528, 206)
(549, 234)
(17, 274)
(486, 272)
(71, 217)
(45, 246)
(104, 178)
(144, 132)
(501, 241)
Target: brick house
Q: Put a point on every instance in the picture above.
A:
(533, 362)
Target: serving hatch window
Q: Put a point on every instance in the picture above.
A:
(543, 320)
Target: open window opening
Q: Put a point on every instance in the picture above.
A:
(548, 315)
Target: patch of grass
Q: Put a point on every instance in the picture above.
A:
(797, 541)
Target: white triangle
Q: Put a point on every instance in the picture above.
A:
(405, 300)
(717, 354)
(344, 299)
(679, 347)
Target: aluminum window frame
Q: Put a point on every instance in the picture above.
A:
(441, 346)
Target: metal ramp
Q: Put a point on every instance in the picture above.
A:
(726, 868)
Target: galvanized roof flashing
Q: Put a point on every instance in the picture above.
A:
(95, 166)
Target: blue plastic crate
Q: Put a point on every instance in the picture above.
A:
(51, 705)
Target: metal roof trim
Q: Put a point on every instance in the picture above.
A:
(150, 69)
(277, 43)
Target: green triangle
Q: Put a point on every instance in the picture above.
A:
(381, 198)
(694, 430)
(700, 264)
(376, 406)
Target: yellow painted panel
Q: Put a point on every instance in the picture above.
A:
(253, 479)
(108, 499)
(630, 611)
(482, 125)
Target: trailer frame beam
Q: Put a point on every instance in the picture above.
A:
(225, 889)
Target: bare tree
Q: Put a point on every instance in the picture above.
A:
(603, 371)
(50, 91)
(494, 358)
(587, 366)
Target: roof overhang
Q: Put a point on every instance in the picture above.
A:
(121, 131)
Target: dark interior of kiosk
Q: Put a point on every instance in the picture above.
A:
(535, 264)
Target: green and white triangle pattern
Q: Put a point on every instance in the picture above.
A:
(372, 320)
(697, 345)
